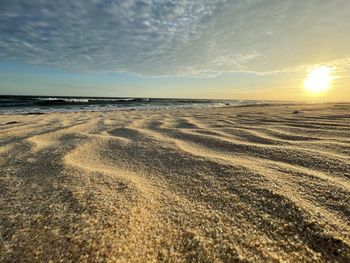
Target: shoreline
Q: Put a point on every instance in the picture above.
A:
(169, 108)
(38, 105)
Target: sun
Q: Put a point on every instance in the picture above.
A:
(318, 80)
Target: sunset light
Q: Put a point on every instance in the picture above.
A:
(318, 80)
(174, 131)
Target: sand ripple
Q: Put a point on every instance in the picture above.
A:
(201, 185)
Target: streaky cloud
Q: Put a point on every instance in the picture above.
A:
(168, 37)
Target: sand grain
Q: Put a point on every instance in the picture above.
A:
(196, 185)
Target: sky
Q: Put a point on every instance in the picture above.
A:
(230, 49)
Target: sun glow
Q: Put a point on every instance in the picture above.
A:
(318, 80)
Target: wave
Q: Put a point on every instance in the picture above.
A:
(25, 104)
(67, 100)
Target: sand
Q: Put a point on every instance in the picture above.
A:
(252, 184)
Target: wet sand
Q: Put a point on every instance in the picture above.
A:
(258, 183)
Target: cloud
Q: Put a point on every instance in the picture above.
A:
(174, 37)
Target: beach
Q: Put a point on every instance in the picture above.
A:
(260, 183)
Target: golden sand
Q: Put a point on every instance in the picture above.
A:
(259, 183)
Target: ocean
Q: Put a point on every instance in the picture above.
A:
(44, 104)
